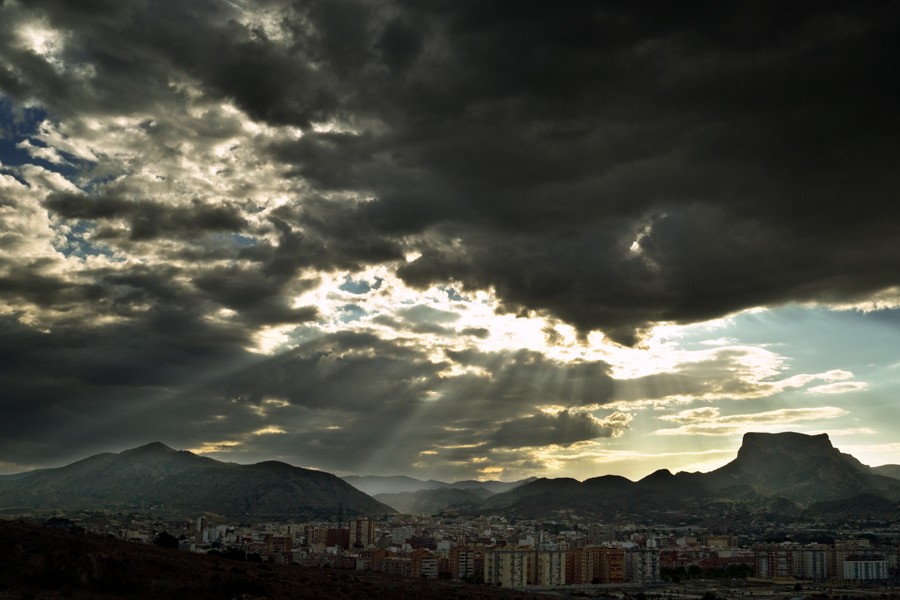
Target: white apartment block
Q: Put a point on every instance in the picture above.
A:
(866, 569)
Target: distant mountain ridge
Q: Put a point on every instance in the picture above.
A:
(414, 496)
(177, 482)
(398, 484)
(888, 471)
(785, 472)
(434, 500)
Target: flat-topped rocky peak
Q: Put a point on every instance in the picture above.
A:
(788, 443)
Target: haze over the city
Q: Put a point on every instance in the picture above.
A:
(448, 240)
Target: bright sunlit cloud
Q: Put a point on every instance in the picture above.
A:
(709, 421)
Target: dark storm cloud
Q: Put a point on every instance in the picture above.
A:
(563, 429)
(103, 42)
(34, 286)
(331, 235)
(726, 141)
(76, 390)
(140, 46)
(148, 220)
(347, 372)
(723, 143)
(259, 298)
(176, 375)
(526, 374)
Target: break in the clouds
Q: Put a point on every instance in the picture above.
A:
(306, 230)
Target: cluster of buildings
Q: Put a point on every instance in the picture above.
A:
(484, 552)
(843, 560)
(610, 564)
(495, 551)
(852, 560)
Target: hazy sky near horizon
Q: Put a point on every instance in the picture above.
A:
(448, 239)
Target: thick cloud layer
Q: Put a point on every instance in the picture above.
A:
(189, 185)
(611, 166)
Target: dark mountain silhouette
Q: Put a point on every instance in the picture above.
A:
(783, 473)
(178, 482)
(801, 468)
(608, 496)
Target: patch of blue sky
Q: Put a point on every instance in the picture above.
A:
(355, 287)
(815, 339)
(351, 312)
(71, 168)
(454, 295)
(235, 239)
(242, 241)
(19, 120)
(77, 244)
(17, 126)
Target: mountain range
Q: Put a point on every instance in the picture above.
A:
(778, 473)
(415, 496)
(782, 473)
(179, 483)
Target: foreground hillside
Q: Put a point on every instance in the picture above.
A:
(38, 561)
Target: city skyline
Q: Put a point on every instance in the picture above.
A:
(449, 241)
